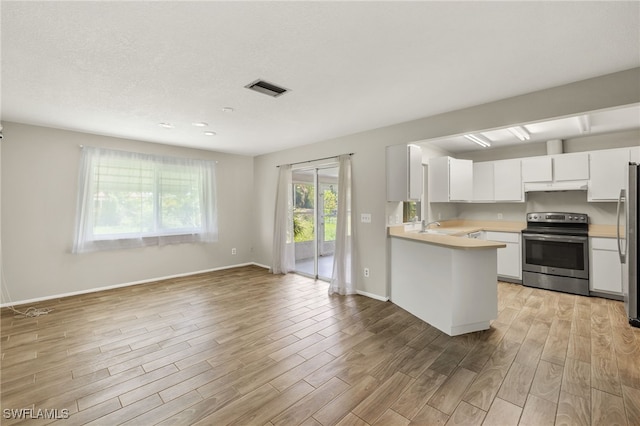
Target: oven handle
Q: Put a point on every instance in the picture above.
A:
(621, 200)
(561, 238)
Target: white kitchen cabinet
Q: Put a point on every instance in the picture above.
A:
(556, 168)
(510, 257)
(450, 179)
(608, 174)
(508, 180)
(483, 183)
(606, 269)
(571, 167)
(537, 169)
(404, 173)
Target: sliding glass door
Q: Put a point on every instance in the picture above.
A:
(315, 192)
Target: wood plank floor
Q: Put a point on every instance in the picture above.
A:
(245, 347)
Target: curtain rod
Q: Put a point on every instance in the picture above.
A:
(317, 159)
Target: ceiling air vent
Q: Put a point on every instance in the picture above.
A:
(267, 88)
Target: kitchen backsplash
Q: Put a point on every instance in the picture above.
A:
(567, 201)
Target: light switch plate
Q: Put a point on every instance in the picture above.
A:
(365, 217)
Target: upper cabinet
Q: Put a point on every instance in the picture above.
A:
(450, 179)
(404, 173)
(550, 171)
(568, 167)
(602, 173)
(608, 173)
(508, 180)
(537, 169)
(483, 182)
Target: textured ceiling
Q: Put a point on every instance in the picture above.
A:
(120, 68)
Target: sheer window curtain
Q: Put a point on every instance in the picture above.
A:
(283, 239)
(128, 199)
(342, 280)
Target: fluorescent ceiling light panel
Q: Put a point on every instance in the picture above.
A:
(479, 139)
(520, 132)
(585, 123)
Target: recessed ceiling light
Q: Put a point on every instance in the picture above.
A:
(209, 133)
(227, 109)
(166, 125)
(199, 124)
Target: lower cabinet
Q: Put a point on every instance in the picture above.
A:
(509, 258)
(606, 269)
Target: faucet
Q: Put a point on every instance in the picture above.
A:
(426, 225)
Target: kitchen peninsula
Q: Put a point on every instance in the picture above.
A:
(448, 281)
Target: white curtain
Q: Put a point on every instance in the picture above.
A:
(342, 280)
(127, 199)
(283, 239)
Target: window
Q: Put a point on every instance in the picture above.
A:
(133, 200)
(411, 211)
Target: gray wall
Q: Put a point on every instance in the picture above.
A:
(369, 159)
(39, 177)
(38, 186)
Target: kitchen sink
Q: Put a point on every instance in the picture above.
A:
(439, 231)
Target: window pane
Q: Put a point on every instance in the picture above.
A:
(330, 203)
(303, 226)
(179, 191)
(123, 197)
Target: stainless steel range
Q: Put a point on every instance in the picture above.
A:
(555, 252)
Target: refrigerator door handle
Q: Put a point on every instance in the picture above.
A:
(621, 200)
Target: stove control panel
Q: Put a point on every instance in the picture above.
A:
(553, 217)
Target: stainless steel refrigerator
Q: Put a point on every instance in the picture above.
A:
(627, 225)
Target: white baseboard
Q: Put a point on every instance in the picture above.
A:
(373, 296)
(150, 280)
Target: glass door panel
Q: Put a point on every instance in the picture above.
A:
(327, 220)
(314, 220)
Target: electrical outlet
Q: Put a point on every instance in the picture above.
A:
(365, 218)
(439, 216)
(233, 251)
(499, 215)
(366, 272)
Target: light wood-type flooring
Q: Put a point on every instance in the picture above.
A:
(242, 346)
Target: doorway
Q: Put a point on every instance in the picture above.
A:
(315, 213)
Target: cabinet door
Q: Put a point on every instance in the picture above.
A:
(508, 180)
(460, 180)
(509, 261)
(510, 257)
(483, 181)
(608, 174)
(439, 179)
(571, 167)
(415, 173)
(537, 169)
(404, 173)
(606, 271)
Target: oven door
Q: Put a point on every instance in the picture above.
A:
(562, 255)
